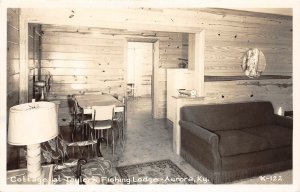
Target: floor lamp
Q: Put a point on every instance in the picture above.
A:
(31, 124)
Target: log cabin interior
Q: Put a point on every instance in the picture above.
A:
(152, 62)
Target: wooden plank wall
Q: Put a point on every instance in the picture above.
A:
(92, 59)
(13, 68)
(225, 47)
(13, 75)
(229, 33)
(33, 57)
(80, 62)
(169, 51)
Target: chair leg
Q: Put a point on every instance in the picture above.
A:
(92, 138)
(106, 139)
(121, 135)
(113, 143)
(98, 148)
(73, 133)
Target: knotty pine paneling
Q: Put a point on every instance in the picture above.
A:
(34, 57)
(224, 51)
(228, 34)
(13, 76)
(92, 59)
(13, 68)
(223, 56)
(31, 55)
(80, 62)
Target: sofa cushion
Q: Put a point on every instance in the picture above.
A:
(229, 116)
(276, 136)
(234, 142)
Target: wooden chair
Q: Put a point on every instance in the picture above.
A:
(102, 119)
(76, 168)
(80, 120)
(77, 117)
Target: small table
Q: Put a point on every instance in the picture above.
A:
(87, 101)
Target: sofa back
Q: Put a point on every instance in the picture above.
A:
(229, 116)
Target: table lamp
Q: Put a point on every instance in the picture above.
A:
(31, 124)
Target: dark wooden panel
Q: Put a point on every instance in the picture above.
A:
(13, 82)
(12, 33)
(13, 56)
(236, 78)
(13, 51)
(13, 66)
(12, 98)
(13, 18)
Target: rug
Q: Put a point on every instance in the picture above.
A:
(157, 172)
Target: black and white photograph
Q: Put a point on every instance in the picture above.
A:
(145, 96)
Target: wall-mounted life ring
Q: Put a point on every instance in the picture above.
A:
(254, 63)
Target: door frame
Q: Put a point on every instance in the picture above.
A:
(155, 65)
(26, 17)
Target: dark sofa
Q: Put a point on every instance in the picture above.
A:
(227, 142)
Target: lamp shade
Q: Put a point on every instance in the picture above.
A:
(32, 123)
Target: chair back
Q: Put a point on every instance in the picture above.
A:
(103, 113)
(76, 108)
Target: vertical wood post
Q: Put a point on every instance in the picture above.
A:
(199, 63)
(191, 52)
(23, 59)
(196, 60)
(156, 80)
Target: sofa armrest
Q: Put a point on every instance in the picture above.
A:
(205, 135)
(284, 121)
(203, 146)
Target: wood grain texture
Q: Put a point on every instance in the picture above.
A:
(223, 58)
(13, 76)
(13, 62)
(235, 78)
(12, 66)
(228, 34)
(177, 20)
(92, 59)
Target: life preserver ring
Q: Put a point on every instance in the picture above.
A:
(254, 63)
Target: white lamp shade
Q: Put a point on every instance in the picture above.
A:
(31, 125)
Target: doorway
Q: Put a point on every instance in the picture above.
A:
(139, 69)
(140, 74)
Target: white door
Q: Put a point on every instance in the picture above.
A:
(140, 64)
